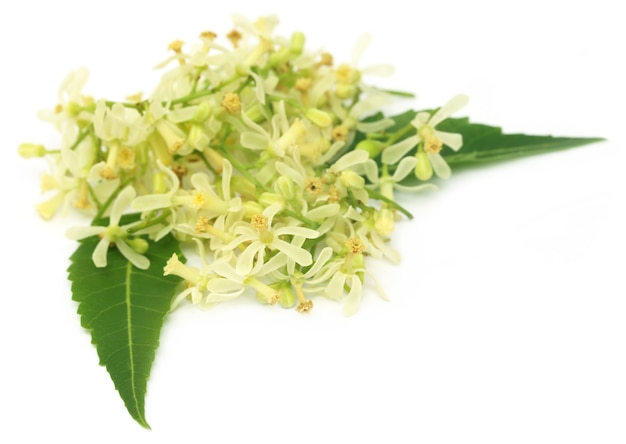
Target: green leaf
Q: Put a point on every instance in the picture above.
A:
(124, 307)
(484, 143)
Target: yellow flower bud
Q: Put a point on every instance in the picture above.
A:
(30, 150)
(372, 147)
(297, 43)
(423, 169)
(318, 117)
(138, 244)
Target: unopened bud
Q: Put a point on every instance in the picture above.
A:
(251, 208)
(286, 187)
(297, 43)
(345, 91)
(318, 117)
(269, 199)
(138, 244)
(198, 138)
(279, 57)
(351, 179)
(372, 147)
(287, 297)
(30, 150)
(423, 169)
(202, 112)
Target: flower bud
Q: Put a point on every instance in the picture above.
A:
(279, 57)
(251, 208)
(297, 43)
(30, 150)
(254, 113)
(244, 187)
(197, 137)
(372, 147)
(138, 244)
(351, 179)
(318, 117)
(423, 169)
(269, 199)
(159, 185)
(287, 297)
(202, 112)
(345, 91)
(286, 187)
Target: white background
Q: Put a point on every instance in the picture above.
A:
(507, 322)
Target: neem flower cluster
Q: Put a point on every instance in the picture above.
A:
(270, 165)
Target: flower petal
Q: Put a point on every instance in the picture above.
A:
(78, 233)
(441, 168)
(392, 154)
(406, 166)
(454, 104)
(121, 203)
(133, 257)
(453, 140)
(353, 300)
(99, 255)
(299, 255)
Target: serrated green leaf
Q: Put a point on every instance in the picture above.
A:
(124, 307)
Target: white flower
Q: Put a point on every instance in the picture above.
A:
(261, 235)
(430, 139)
(112, 234)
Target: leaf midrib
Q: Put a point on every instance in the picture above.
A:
(129, 269)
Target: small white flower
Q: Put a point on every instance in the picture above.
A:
(261, 235)
(112, 234)
(430, 138)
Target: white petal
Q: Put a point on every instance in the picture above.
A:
(121, 203)
(371, 171)
(182, 114)
(321, 260)
(350, 159)
(133, 257)
(440, 166)
(99, 255)
(420, 119)
(285, 170)
(334, 290)
(78, 233)
(353, 300)
(227, 174)
(456, 103)
(225, 269)
(300, 255)
(202, 182)
(453, 140)
(323, 212)
(406, 166)
(246, 258)
(374, 127)
(151, 202)
(416, 188)
(359, 48)
(392, 154)
(223, 285)
(379, 70)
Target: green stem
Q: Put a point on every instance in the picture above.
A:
(150, 222)
(376, 195)
(81, 136)
(110, 199)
